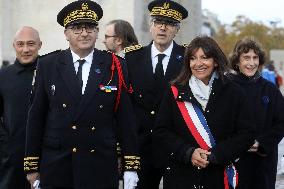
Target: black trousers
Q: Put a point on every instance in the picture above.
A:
(149, 177)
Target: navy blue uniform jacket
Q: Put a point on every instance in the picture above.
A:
(71, 139)
(146, 96)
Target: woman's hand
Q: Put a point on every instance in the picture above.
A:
(199, 158)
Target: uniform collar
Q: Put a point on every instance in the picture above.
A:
(167, 52)
(89, 58)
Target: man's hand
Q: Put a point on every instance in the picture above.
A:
(130, 179)
(32, 177)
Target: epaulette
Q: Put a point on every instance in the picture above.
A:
(185, 45)
(132, 48)
(53, 52)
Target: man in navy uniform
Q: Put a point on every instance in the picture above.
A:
(15, 93)
(150, 69)
(79, 92)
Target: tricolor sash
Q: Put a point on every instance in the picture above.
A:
(198, 127)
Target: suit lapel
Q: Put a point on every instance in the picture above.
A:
(97, 71)
(175, 62)
(148, 64)
(67, 71)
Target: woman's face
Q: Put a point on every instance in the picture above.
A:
(201, 66)
(249, 63)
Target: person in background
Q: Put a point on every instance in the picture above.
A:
(15, 93)
(258, 167)
(5, 63)
(150, 69)
(79, 92)
(268, 73)
(118, 35)
(201, 127)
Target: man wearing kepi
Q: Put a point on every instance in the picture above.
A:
(79, 92)
(150, 69)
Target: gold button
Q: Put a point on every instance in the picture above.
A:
(153, 112)
(74, 127)
(93, 128)
(64, 105)
(92, 151)
(74, 149)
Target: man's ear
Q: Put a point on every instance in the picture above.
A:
(66, 34)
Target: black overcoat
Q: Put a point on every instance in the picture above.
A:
(71, 139)
(232, 133)
(15, 90)
(266, 108)
(146, 96)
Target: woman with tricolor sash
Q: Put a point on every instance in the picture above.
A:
(258, 167)
(201, 128)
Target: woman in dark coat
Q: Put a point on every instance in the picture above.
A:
(266, 107)
(200, 128)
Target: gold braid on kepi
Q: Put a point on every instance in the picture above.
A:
(80, 11)
(132, 163)
(167, 9)
(31, 164)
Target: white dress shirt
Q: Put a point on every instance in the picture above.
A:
(154, 56)
(85, 68)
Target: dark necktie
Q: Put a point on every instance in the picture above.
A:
(159, 71)
(79, 72)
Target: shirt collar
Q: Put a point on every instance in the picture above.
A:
(88, 58)
(167, 52)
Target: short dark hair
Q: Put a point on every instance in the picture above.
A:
(125, 31)
(211, 50)
(243, 46)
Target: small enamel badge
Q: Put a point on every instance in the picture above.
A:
(108, 88)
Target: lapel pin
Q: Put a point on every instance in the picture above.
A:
(98, 71)
(179, 57)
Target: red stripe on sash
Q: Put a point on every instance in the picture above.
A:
(189, 122)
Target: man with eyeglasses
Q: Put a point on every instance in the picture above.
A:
(150, 69)
(118, 35)
(79, 93)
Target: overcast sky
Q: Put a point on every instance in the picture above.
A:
(257, 10)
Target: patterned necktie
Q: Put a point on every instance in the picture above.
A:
(79, 72)
(159, 71)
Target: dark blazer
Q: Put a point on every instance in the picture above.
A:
(266, 107)
(231, 131)
(71, 139)
(146, 96)
(15, 90)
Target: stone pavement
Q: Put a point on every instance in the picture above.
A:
(280, 182)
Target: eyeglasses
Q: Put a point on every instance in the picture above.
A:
(78, 29)
(168, 24)
(202, 59)
(108, 36)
